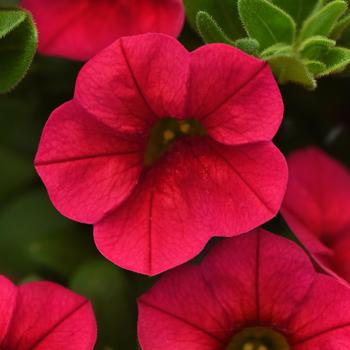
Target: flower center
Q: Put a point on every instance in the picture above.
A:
(258, 338)
(165, 132)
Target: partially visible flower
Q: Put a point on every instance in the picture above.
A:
(79, 29)
(317, 208)
(257, 291)
(162, 149)
(44, 315)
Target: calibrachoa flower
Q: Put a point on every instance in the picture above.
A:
(44, 315)
(253, 292)
(162, 149)
(317, 208)
(79, 29)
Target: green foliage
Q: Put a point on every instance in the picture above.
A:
(210, 30)
(224, 12)
(323, 21)
(315, 46)
(297, 9)
(18, 42)
(299, 38)
(336, 60)
(109, 290)
(266, 23)
(248, 45)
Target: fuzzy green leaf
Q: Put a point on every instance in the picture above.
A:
(266, 23)
(298, 9)
(312, 48)
(224, 12)
(324, 20)
(18, 42)
(342, 25)
(291, 69)
(315, 67)
(209, 30)
(9, 20)
(336, 60)
(248, 45)
(277, 50)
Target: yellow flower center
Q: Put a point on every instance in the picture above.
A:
(165, 132)
(258, 338)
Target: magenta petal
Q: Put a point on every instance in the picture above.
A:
(322, 320)
(8, 294)
(79, 29)
(48, 316)
(317, 207)
(234, 95)
(201, 189)
(270, 276)
(116, 86)
(86, 167)
(246, 281)
(189, 318)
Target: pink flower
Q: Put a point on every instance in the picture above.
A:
(317, 208)
(161, 149)
(79, 29)
(44, 315)
(253, 292)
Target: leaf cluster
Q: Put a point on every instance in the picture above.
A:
(301, 39)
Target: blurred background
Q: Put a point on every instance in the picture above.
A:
(36, 242)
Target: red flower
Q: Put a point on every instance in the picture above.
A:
(79, 29)
(44, 315)
(257, 292)
(162, 149)
(317, 208)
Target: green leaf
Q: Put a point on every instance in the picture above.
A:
(342, 25)
(18, 42)
(324, 20)
(9, 20)
(291, 69)
(315, 46)
(299, 10)
(336, 60)
(209, 30)
(110, 292)
(266, 23)
(224, 12)
(277, 50)
(248, 45)
(315, 67)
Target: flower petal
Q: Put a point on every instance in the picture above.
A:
(48, 316)
(135, 81)
(317, 206)
(8, 293)
(322, 321)
(199, 190)
(234, 95)
(81, 28)
(87, 168)
(188, 319)
(253, 279)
